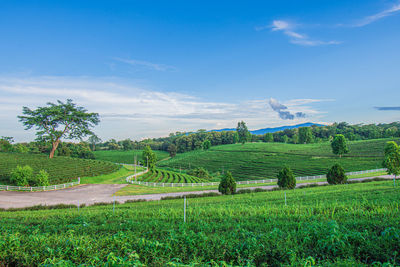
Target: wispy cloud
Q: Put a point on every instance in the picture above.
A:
(295, 37)
(283, 112)
(370, 19)
(387, 108)
(145, 64)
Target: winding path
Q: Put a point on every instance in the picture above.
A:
(95, 193)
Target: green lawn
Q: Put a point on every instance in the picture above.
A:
(254, 161)
(122, 156)
(344, 225)
(117, 177)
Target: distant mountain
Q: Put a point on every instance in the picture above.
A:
(272, 130)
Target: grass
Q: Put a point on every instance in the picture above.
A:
(254, 161)
(144, 190)
(345, 225)
(127, 157)
(117, 177)
(60, 169)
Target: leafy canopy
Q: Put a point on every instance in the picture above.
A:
(227, 186)
(243, 132)
(339, 145)
(286, 178)
(336, 175)
(392, 158)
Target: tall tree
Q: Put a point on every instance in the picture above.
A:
(61, 120)
(392, 159)
(305, 135)
(93, 140)
(339, 145)
(286, 178)
(243, 132)
(149, 157)
(172, 150)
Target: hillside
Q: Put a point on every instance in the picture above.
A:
(263, 160)
(126, 156)
(344, 225)
(60, 169)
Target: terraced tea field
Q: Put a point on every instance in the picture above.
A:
(264, 160)
(163, 176)
(344, 225)
(60, 169)
(127, 157)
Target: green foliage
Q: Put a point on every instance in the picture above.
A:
(200, 172)
(21, 148)
(5, 144)
(227, 186)
(336, 175)
(41, 179)
(344, 225)
(392, 158)
(172, 150)
(56, 121)
(305, 135)
(339, 145)
(60, 169)
(149, 157)
(206, 144)
(286, 178)
(21, 176)
(164, 176)
(268, 137)
(243, 132)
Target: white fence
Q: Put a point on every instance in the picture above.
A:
(302, 178)
(38, 188)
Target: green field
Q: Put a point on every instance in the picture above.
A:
(127, 157)
(60, 169)
(163, 176)
(117, 177)
(356, 224)
(263, 160)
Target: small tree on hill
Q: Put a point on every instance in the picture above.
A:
(93, 140)
(227, 186)
(305, 135)
(392, 159)
(243, 132)
(21, 176)
(172, 150)
(200, 172)
(149, 157)
(286, 178)
(206, 144)
(339, 145)
(336, 175)
(56, 121)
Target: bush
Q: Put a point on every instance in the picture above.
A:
(336, 175)
(227, 186)
(200, 173)
(21, 175)
(286, 178)
(41, 179)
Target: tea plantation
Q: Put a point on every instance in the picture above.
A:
(126, 156)
(253, 161)
(163, 176)
(60, 169)
(355, 224)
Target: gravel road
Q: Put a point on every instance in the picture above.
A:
(94, 193)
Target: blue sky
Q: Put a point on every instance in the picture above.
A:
(154, 67)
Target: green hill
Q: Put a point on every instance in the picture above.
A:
(60, 169)
(263, 160)
(122, 156)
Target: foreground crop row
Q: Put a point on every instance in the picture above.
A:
(347, 224)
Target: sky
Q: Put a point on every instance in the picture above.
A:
(150, 68)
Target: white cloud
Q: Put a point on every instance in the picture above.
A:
(370, 19)
(295, 37)
(146, 64)
(127, 111)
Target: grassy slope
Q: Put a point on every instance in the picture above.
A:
(121, 156)
(335, 225)
(143, 190)
(60, 169)
(263, 160)
(117, 177)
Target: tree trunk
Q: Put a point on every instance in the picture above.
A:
(53, 150)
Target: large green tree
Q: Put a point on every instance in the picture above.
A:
(305, 135)
(56, 121)
(286, 178)
(392, 159)
(149, 157)
(243, 132)
(227, 186)
(339, 145)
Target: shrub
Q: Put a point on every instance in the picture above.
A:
(336, 175)
(286, 178)
(21, 175)
(227, 186)
(200, 172)
(41, 179)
